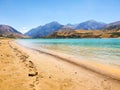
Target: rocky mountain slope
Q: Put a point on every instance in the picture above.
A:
(8, 31)
(90, 25)
(113, 26)
(44, 30)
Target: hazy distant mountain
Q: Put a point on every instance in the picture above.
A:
(45, 30)
(91, 25)
(8, 31)
(113, 26)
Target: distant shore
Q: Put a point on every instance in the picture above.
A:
(27, 69)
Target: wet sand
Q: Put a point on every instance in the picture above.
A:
(27, 69)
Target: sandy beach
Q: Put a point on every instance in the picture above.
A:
(22, 68)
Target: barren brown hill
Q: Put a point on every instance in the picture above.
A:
(85, 34)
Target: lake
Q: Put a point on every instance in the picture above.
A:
(105, 50)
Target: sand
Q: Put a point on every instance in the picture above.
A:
(22, 68)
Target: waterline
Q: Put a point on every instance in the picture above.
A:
(102, 50)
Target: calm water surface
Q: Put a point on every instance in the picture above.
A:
(102, 50)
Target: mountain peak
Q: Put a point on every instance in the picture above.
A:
(91, 25)
(44, 30)
(5, 27)
(91, 20)
(54, 22)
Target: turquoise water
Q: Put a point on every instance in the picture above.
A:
(102, 50)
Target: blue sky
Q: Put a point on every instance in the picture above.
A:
(26, 14)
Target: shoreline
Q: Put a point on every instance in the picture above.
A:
(40, 71)
(94, 66)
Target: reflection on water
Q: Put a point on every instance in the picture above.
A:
(103, 50)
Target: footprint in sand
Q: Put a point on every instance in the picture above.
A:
(32, 69)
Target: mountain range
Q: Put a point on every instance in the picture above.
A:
(49, 28)
(54, 29)
(111, 30)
